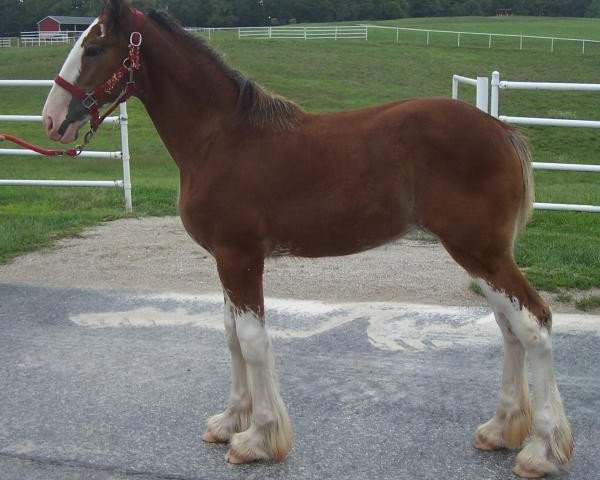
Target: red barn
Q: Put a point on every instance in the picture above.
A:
(55, 23)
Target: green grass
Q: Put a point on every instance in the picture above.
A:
(588, 303)
(558, 250)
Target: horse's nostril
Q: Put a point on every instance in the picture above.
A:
(48, 123)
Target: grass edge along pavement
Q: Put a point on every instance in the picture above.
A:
(558, 251)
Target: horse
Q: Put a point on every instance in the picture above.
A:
(261, 177)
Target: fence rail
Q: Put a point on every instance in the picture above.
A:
(123, 154)
(496, 85)
(306, 33)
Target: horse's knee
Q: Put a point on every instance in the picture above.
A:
(253, 338)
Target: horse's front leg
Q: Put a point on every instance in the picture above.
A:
(236, 417)
(269, 434)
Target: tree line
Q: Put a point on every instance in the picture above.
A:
(23, 15)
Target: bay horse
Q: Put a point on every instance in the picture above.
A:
(261, 177)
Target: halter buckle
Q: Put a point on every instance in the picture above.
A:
(89, 101)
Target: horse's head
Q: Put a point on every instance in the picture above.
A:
(95, 73)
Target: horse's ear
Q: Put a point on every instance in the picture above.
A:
(113, 13)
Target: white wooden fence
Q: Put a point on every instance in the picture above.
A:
(306, 33)
(481, 85)
(551, 42)
(28, 39)
(123, 154)
(497, 85)
(5, 42)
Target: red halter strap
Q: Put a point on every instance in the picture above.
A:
(92, 101)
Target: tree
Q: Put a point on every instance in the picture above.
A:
(593, 9)
(393, 9)
(18, 15)
(425, 8)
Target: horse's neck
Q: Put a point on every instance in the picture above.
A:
(187, 96)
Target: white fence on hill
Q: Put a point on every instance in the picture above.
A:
(482, 83)
(123, 154)
(551, 42)
(306, 33)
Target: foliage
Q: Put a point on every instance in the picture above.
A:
(22, 15)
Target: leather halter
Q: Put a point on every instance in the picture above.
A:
(92, 101)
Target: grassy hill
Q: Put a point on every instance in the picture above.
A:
(558, 250)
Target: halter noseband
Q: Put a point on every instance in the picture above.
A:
(92, 101)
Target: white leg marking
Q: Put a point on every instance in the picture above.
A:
(236, 418)
(270, 433)
(511, 423)
(552, 440)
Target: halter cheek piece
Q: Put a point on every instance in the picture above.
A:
(92, 101)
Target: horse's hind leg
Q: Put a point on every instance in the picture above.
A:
(236, 417)
(511, 423)
(528, 319)
(269, 433)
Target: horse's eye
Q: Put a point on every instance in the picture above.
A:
(92, 51)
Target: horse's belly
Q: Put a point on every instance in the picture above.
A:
(332, 230)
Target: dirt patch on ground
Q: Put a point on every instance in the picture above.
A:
(155, 254)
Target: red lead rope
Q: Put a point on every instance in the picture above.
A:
(71, 152)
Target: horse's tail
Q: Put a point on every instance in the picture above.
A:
(522, 149)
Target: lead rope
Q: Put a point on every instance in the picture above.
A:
(70, 152)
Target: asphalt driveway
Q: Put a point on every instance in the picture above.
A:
(99, 384)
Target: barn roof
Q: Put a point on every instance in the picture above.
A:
(70, 20)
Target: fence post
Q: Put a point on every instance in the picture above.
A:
(397, 35)
(454, 87)
(482, 93)
(495, 94)
(123, 125)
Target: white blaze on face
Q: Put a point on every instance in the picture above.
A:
(57, 103)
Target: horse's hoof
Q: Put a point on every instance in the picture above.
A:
(488, 437)
(210, 437)
(481, 443)
(533, 461)
(235, 458)
(529, 473)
